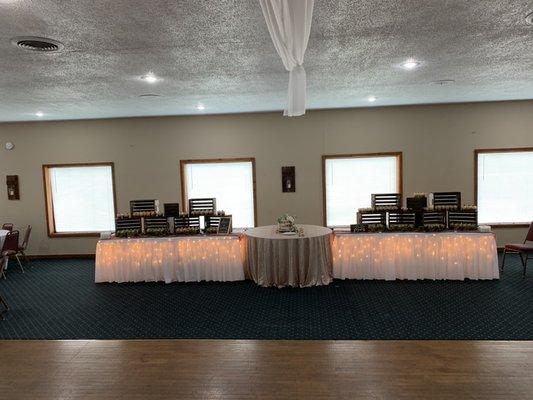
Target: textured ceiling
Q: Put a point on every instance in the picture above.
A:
(219, 53)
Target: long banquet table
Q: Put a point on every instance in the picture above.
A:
(170, 259)
(388, 256)
(444, 255)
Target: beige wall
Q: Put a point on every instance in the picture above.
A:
(437, 144)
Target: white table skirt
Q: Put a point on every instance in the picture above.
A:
(389, 256)
(170, 259)
(3, 234)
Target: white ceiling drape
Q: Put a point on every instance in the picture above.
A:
(289, 24)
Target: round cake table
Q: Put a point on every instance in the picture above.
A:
(275, 259)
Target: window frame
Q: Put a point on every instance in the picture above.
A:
(183, 163)
(49, 201)
(477, 152)
(325, 157)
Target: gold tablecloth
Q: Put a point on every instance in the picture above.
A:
(275, 259)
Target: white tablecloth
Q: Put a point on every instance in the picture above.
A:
(447, 255)
(278, 260)
(170, 259)
(3, 234)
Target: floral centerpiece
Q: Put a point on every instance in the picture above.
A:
(286, 223)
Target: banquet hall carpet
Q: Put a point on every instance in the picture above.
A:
(58, 299)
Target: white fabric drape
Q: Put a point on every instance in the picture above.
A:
(170, 259)
(3, 234)
(289, 24)
(389, 256)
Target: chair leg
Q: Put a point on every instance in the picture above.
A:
(26, 259)
(525, 265)
(6, 307)
(3, 265)
(4, 302)
(503, 258)
(20, 264)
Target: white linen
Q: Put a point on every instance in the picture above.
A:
(170, 259)
(450, 255)
(279, 260)
(289, 25)
(3, 233)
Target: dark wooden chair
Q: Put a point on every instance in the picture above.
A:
(9, 249)
(7, 227)
(524, 250)
(22, 248)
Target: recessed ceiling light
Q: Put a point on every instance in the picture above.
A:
(39, 114)
(200, 107)
(150, 77)
(372, 99)
(410, 64)
(529, 18)
(443, 82)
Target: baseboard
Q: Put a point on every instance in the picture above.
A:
(59, 256)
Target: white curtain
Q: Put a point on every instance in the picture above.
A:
(350, 183)
(83, 198)
(231, 183)
(289, 24)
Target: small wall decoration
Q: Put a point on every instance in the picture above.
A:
(288, 179)
(224, 226)
(13, 192)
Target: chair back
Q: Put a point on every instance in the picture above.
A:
(7, 227)
(529, 236)
(11, 242)
(26, 238)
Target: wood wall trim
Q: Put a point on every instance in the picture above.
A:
(477, 152)
(399, 162)
(183, 163)
(49, 201)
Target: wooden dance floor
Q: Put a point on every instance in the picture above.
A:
(238, 369)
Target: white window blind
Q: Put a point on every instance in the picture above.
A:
(82, 198)
(231, 183)
(505, 187)
(350, 183)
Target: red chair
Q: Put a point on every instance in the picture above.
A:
(10, 248)
(7, 227)
(523, 249)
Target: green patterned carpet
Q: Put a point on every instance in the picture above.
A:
(58, 299)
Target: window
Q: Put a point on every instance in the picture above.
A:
(350, 180)
(80, 199)
(504, 186)
(230, 181)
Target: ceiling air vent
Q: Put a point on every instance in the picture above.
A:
(37, 44)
